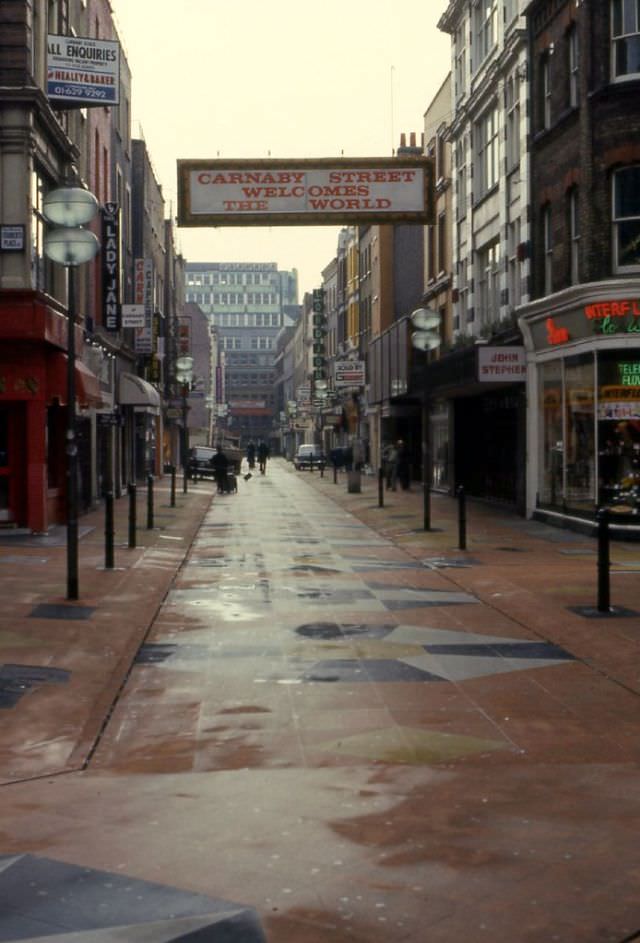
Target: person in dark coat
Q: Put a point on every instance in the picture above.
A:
(220, 465)
(263, 455)
(251, 455)
(402, 465)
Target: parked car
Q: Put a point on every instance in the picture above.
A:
(200, 462)
(309, 456)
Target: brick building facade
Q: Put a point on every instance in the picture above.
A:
(582, 326)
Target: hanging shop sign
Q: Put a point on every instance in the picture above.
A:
(110, 257)
(133, 315)
(340, 191)
(82, 72)
(143, 294)
(501, 364)
(349, 373)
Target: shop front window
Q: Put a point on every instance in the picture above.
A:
(580, 431)
(619, 431)
(551, 483)
(440, 445)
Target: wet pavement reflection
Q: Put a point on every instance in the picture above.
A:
(351, 741)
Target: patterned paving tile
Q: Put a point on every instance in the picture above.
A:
(436, 654)
(367, 670)
(411, 746)
(51, 900)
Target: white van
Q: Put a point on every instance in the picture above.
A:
(308, 456)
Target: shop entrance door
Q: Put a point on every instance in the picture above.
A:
(12, 470)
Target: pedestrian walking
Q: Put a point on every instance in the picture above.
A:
(220, 465)
(390, 466)
(263, 455)
(251, 455)
(403, 467)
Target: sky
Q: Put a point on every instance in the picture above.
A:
(280, 79)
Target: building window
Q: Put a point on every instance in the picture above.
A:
(625, 38)
(545, 92)
(486, 26)
(547, 242)
(461, 179)
(487, 152)
(510, 11)
(514, 263)
(626, 219)
(574, 237)
(41, 267)
(512, 108)
(431, 253)
(442, 243)
(460, 75)
(574, 67)
(488, 266)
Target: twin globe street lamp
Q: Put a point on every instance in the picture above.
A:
(68, 209)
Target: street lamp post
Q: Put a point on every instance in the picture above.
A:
(184, 375)
(68, 209)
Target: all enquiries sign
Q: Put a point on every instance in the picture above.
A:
(305, 192)
(82, 71)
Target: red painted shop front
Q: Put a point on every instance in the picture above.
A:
(33, 414)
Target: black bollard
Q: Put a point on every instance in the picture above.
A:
(380, 487)
(173, 486)
(462, 519)
(149, 502)
(132, 515)
(604, 599)
(108, 531)
(335, 474)
(322, 469)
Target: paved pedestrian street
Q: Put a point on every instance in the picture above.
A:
(360, 733)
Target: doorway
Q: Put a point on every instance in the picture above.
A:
(12, 459)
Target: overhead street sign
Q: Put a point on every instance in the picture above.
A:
(323, 191)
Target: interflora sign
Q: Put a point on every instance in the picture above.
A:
(305, 192)
(601, 318)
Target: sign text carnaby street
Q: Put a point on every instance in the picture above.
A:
(305, 192)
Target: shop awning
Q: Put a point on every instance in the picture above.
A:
(88, 392)
(134, 391)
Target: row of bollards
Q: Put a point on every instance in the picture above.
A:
(109, 518)
(604, 561)
(603, 536)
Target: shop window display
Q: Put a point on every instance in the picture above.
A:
(440, 446)
(551, 484)
(580, 431)
(619, 432)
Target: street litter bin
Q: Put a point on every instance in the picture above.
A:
(353, 482)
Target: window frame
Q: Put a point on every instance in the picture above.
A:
(616, 220)
(547, 247)
(487, 137)
(573, 47)
(485, 28)
(618, 39)
(574, 237)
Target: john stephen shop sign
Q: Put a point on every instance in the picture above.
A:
(305, 192)
(597, 319)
